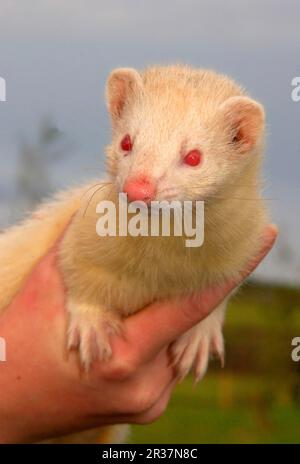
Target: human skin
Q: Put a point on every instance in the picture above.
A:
(43, 392)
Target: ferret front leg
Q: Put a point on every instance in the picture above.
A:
(195, 347)
(89, 330)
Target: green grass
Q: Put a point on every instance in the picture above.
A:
(256, 397)
(226, 409)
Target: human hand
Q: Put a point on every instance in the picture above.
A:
(42, 392)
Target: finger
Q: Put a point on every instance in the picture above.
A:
(162, 322)
(268, 239)
(148, 416)
(157, 409)
(141, 385)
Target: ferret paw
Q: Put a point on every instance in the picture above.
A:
(193, 349)
(89, 332)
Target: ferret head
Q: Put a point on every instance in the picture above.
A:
(179, 133)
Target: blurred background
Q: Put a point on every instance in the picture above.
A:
(55, 57)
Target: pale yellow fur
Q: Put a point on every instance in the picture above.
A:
(23, 245)
(138, 272)
(168, 109)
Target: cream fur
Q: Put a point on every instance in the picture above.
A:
(167, 111)
(23, 245)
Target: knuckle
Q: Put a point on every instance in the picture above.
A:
(189, 310)
(142, 402)
(196, 308)
(122, 369)
(152, 415)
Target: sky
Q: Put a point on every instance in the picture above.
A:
(55, 57)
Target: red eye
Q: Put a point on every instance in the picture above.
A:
(126, 143)
(193, 158)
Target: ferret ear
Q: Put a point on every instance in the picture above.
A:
(245, 118)
(123, 84)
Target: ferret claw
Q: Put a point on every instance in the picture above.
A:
(218, 350)
(193, 349)
(89, 333)
(73, 338)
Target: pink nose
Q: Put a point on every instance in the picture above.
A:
(139, 189)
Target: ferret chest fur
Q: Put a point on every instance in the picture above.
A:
(126, 273)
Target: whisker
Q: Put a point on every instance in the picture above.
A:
(242, 199)
(94, 193)
(92, 186)
(223, 197)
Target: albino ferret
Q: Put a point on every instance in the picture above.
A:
(177, 134)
